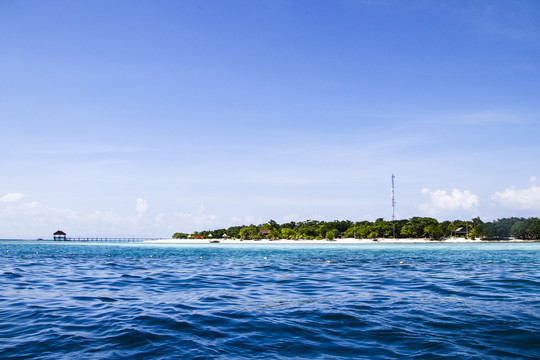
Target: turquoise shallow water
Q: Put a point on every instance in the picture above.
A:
(211, 301)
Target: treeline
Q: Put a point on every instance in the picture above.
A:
(416, 227)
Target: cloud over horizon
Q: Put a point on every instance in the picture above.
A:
(442, 202)
(519, 199)
(11, 197)
(17, 211)
(141, 206)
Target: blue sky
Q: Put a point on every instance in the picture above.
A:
(143, 118)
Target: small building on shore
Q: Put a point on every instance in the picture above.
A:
(60, 236)
(264, 232)
(461, 232)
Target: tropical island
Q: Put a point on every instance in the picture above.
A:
(416, 227)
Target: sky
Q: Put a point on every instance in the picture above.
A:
(146, 118)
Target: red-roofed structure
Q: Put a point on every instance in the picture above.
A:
(59, 235)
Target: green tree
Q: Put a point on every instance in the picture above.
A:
(520, 229)
(486, 230)
(502, 227)
(416, 227)
(364, 231)
(399, 225)
(288, 233)
(446, 228)
(248, 232)
(433, 231)
(271, 225)
(275, 234)
(350, 232)
(309, 229)
(407, 231)
(534, 228)
(234, 232)
(180, 236)
(382, 228)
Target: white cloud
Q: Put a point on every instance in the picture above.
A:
(236, 220)
(369, 217)
(11, 197)
(190, 221)
(291, 217)
(160, 219)
(16, 215)
(249, 219)
(27, 218)
(142, 206)
(441, 201)
(519, 198)
(100, 218)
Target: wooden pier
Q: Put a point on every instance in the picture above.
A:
(99, 239)
(61, 236)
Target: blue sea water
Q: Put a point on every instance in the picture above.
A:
(216, 301)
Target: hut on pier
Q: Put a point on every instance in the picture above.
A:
(59, 235)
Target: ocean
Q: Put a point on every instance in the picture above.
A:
(269, 301)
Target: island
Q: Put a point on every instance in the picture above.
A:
(413, 228)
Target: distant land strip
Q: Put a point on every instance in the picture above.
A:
(416, 227)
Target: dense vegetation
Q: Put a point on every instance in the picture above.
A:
(416, 227)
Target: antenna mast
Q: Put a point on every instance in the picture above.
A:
(393, 209)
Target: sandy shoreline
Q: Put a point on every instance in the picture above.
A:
(336, 241)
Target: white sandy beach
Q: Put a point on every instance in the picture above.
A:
(336, 241)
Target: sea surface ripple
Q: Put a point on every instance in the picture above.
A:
(215, 301)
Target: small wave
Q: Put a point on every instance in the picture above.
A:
(12, 274)
(130, 276)
(94, 298)
(106, 299)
